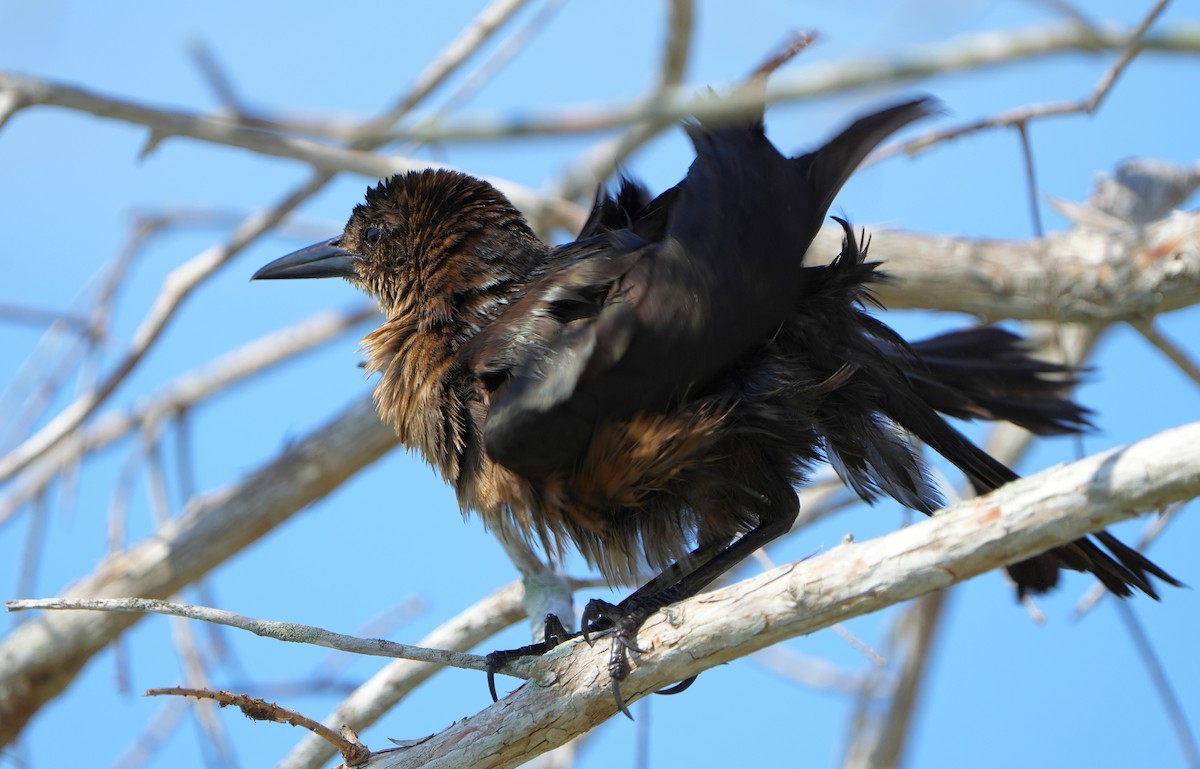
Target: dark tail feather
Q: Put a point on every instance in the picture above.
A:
(1125, 569)
(1120, 570)
(987, 373)
(981, 373)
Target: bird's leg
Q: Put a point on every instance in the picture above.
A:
(553, 635)
(627, 617)
(678, 581)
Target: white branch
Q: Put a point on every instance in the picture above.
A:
(39, 658)
(182, 393)
(290, 632)
(1018, 521)
(1082, 275)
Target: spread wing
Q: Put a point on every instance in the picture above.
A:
(660, 296)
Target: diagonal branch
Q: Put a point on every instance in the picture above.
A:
(1021, 117)
(1019, 520)
(16, 92)
(40, 657)
(179, 395)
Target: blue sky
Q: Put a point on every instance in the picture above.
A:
(1002, 690)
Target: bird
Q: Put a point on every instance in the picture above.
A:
(653, 392)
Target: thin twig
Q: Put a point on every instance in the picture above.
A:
(882, 743)
(353, 751)
(221, 84)
(184, 392)
(1166, 346)
(185, 279)
(1162, 685)
(216, 737)
(36, 316)
(1136, 38)
(1035, 211)
(598, 163)
(469, 41)
(34, 547)
(1134, 44)
(809, 672)
(291, 632)
(154, 736)
(493, 65)
(177, 287)
(379, 694)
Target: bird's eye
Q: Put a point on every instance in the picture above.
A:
(372, 235)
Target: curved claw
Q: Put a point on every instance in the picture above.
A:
(594, 613)
(616, 693)
(554, 633)
(585, 621)
(682, 686)
(494, 663)
(491, 676)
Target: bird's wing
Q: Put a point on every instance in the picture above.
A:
(828, 168)
(664, 295)
(570, 326)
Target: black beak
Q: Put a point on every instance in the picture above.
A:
(326, 259)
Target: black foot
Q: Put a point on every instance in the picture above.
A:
(600, 618)
(623, 621)
(554, 635)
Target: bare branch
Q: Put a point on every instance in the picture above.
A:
(177, 287)
(196, 676)
(1135, 46)
(1162, 685)
(486, 71)
(883, 745)
(374, 698)
(1021, 519)
(16, 313)
(1163, 344)
(351, 749)
(1020, 118)
(156, 734)
(181, 394)
(42, 656)
(291, 632)
(970, 53)
(596, 165)
(1083, 275)
(469, 41)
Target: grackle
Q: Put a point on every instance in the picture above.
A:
(653, 392)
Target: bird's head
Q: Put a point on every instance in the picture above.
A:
(425, 243)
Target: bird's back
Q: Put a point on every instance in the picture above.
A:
(662, 296)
